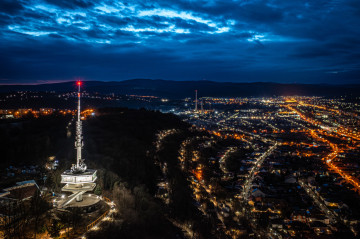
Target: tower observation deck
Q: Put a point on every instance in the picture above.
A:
(79, 179)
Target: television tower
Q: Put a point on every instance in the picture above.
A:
(196, 101)
(79, 179)
(80, 165)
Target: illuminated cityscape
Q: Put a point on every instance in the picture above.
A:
(275, 167)
(179, 119)
(301, 164)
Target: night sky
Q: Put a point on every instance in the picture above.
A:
(220, 40)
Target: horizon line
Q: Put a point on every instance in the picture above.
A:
(232, 82)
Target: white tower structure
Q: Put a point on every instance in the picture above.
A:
(79, 179)
(196, 101)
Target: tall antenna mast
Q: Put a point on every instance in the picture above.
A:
(80, 166)
(196, 101)
(202, 105)
(78, 179)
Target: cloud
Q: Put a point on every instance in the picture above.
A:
(10, 7)
(71, 4)
(217, 40)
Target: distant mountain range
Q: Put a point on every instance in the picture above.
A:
(182, 89)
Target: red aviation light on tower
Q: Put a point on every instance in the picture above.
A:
(79, 83)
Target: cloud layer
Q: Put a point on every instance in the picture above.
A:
(238, 40)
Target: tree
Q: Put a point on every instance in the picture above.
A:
(75, 217)
(50, 181)
(38, 207)
(65, 219)
(54, 229)
(8, 208)
(98, 190)
(232, 163)
(15, 218)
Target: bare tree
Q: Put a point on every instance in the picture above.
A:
(38, 207)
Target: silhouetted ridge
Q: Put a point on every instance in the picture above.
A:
(182, 89)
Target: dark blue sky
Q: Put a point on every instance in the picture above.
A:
(222, 40)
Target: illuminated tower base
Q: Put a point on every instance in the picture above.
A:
(78, 184)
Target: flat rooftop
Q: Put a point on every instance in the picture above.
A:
(85, 186)
(88, 200)
(87, 172)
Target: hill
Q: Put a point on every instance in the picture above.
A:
(182, 89)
